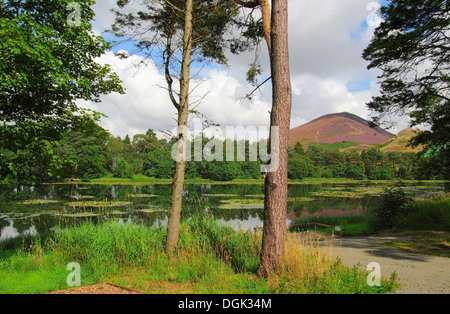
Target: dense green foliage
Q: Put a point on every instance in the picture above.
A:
(47, 65)
(123, 170)
(393, 204)
(412, 49)
(371, 164)
(92, 153)
(397, 212)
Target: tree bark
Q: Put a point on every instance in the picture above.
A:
(173, 227)
(265, 11)
(276, 188)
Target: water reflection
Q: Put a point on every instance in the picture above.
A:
(9, 231)
(30, 210)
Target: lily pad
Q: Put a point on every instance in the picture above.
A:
(300, 199)
(142, 195)
(242, 204)
(98, 204)
(152, 210)
(82, 196)
(38, 202)
(79, 215)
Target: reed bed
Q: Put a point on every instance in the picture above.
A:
(210, 258)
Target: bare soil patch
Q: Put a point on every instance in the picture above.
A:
(104, 288)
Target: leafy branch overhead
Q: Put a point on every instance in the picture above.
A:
(412, 49)
(161, 21)
(218, 26)
(47, 66)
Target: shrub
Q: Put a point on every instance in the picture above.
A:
(123, 170)
(393, 205)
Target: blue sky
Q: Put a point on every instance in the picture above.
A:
(328, 74)
(359, 86)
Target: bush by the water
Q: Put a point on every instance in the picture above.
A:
(393, 204)
(123, 170)
(397, 212)
(427, 214)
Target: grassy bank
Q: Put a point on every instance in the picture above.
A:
(351, 224)
(142, 179)
(209, 259)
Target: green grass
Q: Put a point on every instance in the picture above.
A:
(210, 258)
(352, 224)
(426, 214)
(137, 179)
(339, 145)
(142, 179)
(427, 219)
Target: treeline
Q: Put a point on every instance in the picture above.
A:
(147, 155)
(372, 164)
(94, 153)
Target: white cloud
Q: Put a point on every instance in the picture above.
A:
(321, 36)
(327, 39)
(225, 102)
(326, 95)
(145, 104)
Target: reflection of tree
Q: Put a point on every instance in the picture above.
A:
(198, 198)
(64, 192)
(100, 191)
(149, 219)
(236, 189)
(334, 203)
(303, 190)
(22, 224)
(237, 214)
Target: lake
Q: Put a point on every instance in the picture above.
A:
(30, 210)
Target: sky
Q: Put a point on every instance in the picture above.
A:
(328, 74)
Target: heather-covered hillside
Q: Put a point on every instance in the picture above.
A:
(344, 127)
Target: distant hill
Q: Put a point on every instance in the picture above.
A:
(340, 131)
(400, 142)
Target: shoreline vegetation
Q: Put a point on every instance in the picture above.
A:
(209, 259)
(426, 220)
(213, 258)
(142, 180)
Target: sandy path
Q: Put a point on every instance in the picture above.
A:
(418, 274)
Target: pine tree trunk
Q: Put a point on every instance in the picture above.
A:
(265, 11)
(276, 188)
(173, 227)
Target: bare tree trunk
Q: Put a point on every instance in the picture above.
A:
(276, 188)
(173, 228)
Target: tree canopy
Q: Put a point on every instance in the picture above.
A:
(412, 48)
(48, 63)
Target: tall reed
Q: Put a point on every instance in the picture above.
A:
(210, 257)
